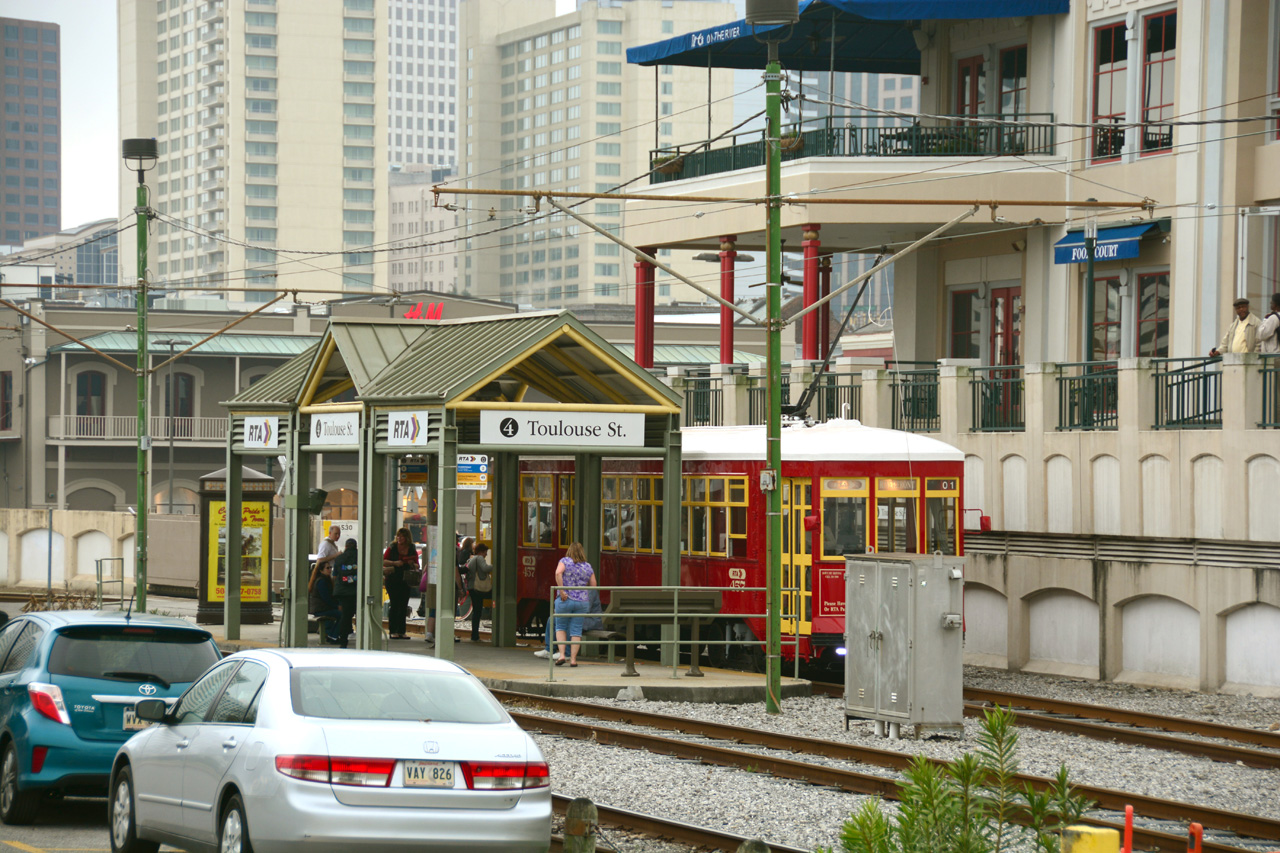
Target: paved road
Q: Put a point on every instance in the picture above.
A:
(73, 824)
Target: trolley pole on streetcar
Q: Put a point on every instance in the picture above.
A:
(773, 13)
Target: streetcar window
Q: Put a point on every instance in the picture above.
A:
(940, 525)
(844, 526)
(627, 513)
(713, 519)
(536, 509)
(896, 529)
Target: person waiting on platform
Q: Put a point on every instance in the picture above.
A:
(1242, 334)
(323, 605)
(573, 570)
(400, 556)
(479, 580)
(345, 573)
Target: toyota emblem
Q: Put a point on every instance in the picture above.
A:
(147, 689)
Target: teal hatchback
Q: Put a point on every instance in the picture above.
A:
(69, 681)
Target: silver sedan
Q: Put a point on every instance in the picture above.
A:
(326, 750)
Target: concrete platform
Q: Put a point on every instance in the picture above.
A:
(516, 669)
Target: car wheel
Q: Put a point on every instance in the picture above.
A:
(124, 825)
(17, 807)
(233, 837)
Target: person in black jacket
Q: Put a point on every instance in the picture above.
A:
(399, 556)
(322, 603)
(344, 583)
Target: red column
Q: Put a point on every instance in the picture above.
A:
(644, 310)
(728, 255)
(810, 244)
(824, 313)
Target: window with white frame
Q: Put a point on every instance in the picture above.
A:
(1147, 99)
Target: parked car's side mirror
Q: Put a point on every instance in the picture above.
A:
(151, 710)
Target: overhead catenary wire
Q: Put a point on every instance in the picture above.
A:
(15, 261)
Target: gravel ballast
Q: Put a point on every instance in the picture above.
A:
(806, 816)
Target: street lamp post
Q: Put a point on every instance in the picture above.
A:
(171, 343)
(1090, 244)
(773, 13)
(139, 156)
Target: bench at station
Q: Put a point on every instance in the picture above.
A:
(631, 607)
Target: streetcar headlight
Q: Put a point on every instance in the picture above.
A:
(842, 651)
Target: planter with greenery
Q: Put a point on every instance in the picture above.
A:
(668, 164)
(791, 140)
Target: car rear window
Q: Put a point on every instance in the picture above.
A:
(133, 653)
(393, 694)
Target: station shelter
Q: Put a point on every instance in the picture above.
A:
(398, 392)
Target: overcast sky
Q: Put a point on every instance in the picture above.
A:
(90, 124)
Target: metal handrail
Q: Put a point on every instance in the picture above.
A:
(1270, 391)
(997, 398)
(103, 581)
(703, 402)
(988, 135)
(675, 615)
(915, 400)
(1188, 393)
(1089, 400)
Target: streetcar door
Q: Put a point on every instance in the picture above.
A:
(797, 557)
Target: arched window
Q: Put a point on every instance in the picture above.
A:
(91, 403)
(341, 504)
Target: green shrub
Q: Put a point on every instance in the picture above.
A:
(973, 805)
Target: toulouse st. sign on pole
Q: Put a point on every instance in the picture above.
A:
(562, 429)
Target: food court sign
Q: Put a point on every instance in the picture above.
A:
(562, 429)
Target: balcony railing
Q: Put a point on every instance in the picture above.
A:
(915, 400)
(997, 399)
(703, 402)
(1088, 395)
(831, 136)
(758, 397)
(1188, 393)
(125, 427)
(1270, 392)
(836, 399)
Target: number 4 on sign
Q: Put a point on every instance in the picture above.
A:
(434, 311)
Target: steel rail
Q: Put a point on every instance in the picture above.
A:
(980, 700)
(656, 827)
(1249, 826)
(1203, 728)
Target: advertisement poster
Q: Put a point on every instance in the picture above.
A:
(255, 550)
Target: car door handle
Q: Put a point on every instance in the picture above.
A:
(183, 744)
(229, 743)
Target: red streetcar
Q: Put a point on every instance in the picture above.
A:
(846, 489)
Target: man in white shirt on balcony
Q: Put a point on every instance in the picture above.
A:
(1242, 334)
(1269, 331)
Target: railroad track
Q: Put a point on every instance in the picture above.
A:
(1113, 724)
(1161, 824)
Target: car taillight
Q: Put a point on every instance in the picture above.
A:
(47, 700)
(505, 776)
(373, 772)
(363, 772)
(38, 755)
(313, 768)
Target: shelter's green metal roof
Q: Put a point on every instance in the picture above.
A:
(281, 386)
(691, 355)
(365, 348)
(228, 344)
(552, 352)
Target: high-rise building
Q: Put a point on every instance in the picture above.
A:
(422, 82)
(269, 120)
(425, 240)
(32, 132)
(551, 103)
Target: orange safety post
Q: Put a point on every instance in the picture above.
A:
(1195, 838)
(1128, 830)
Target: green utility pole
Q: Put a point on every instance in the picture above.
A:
(143, 153)
(771, 479)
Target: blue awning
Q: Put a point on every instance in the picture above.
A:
(1114, 243)
(870, 35)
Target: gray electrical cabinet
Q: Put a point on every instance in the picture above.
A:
(903, 640)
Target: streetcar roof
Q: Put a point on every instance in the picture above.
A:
(846, 440)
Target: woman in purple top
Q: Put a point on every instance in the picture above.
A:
(573, 570)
